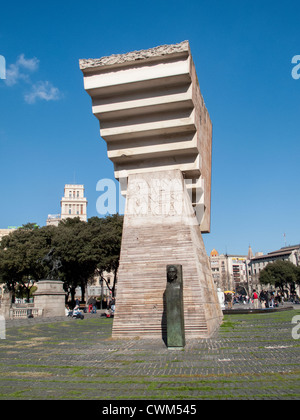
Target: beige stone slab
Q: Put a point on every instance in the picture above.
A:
(50, 297)
(151, 94)
(147, 247)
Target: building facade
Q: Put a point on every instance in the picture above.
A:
(98, 287)
(73, 204)
(259, 262)
(238, 272)
(229, 271)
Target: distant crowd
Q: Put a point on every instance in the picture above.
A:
(264, 299)
(90, 307)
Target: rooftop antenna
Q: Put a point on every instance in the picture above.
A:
(284, 239)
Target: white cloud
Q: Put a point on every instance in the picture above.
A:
(31, 64)
(13, 75)
(44, 91)
(19, 70)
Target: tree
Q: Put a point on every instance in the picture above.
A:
(281, 274)
(87, 248)
(20, 252)
(72, 244)
(298, 276)
(106, 236)
(83, 248)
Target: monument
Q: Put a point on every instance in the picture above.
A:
(174, 307)
(50, 295)
(158, 133)
(221, 298)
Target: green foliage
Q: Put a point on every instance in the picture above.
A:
(20, 252)
(84, 248)
(282, 274)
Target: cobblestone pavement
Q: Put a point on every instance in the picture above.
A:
(252, 356)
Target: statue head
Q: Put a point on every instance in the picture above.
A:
(171, 273)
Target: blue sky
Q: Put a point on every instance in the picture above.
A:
(243, 54)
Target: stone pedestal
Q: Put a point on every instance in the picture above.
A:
(161, 228)
(50, 297)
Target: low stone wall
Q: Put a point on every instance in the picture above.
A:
(19, 313)
(256, 311)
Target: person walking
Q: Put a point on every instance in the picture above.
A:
(262, 299)
(90, 301)
(229, 300)
(113, 305)
(255, 299)
(94, 307)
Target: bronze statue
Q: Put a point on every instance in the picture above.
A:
(54, 265)
(174, 307)
(171, 273)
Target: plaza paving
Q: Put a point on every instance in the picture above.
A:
(252, 356)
